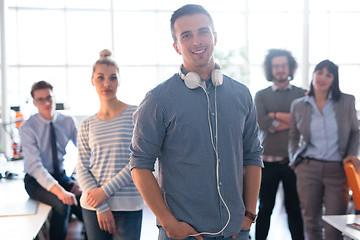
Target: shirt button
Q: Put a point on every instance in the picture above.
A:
(220, 183)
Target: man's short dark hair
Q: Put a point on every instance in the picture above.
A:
(40, 85)
(189, 9)
(278, 53)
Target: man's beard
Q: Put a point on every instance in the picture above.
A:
(281, 80)
(288, 78)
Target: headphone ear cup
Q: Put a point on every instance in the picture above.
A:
(217, 77)
(192, 80)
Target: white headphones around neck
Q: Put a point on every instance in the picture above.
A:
(192, 79)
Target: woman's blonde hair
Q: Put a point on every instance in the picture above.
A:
(105, 58)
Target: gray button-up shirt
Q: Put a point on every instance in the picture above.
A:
(172, 124)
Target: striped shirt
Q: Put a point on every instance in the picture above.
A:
(104, 161)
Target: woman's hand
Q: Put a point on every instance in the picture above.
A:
(354, 160)
(95, 197)
(106, 221)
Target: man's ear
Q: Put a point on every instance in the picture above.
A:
(176, 48)
(92, 81)
(215, 38)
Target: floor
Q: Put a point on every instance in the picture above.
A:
(278, 228)
(74, 232)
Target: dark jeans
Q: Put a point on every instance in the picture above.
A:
(128, 225)
(60, 212)
(272, 174)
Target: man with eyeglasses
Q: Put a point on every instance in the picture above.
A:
(273, 109)
(44, 137)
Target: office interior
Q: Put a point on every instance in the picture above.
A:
(59, 40)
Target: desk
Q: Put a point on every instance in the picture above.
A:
(340, 221)
(19, 227)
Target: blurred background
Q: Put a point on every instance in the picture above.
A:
(59, 40)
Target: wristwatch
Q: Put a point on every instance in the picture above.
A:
(250, 215)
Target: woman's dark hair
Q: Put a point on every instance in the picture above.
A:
(189, 9)
(105, 59)
(40, 85)
(334, 70)
(277, 53)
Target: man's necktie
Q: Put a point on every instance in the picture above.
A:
(54, 150)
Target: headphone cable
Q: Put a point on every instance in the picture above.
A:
(215, 147)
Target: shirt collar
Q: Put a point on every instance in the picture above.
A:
(47, 121)
(312, 98)
(275, 88)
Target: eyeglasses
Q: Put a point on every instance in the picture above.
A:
(277, 66)
(44, 100)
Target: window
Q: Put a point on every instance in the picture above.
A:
(58, 41)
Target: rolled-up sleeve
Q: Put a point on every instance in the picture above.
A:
(251, 141)
(149, 132)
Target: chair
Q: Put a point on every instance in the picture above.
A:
(353, 178)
